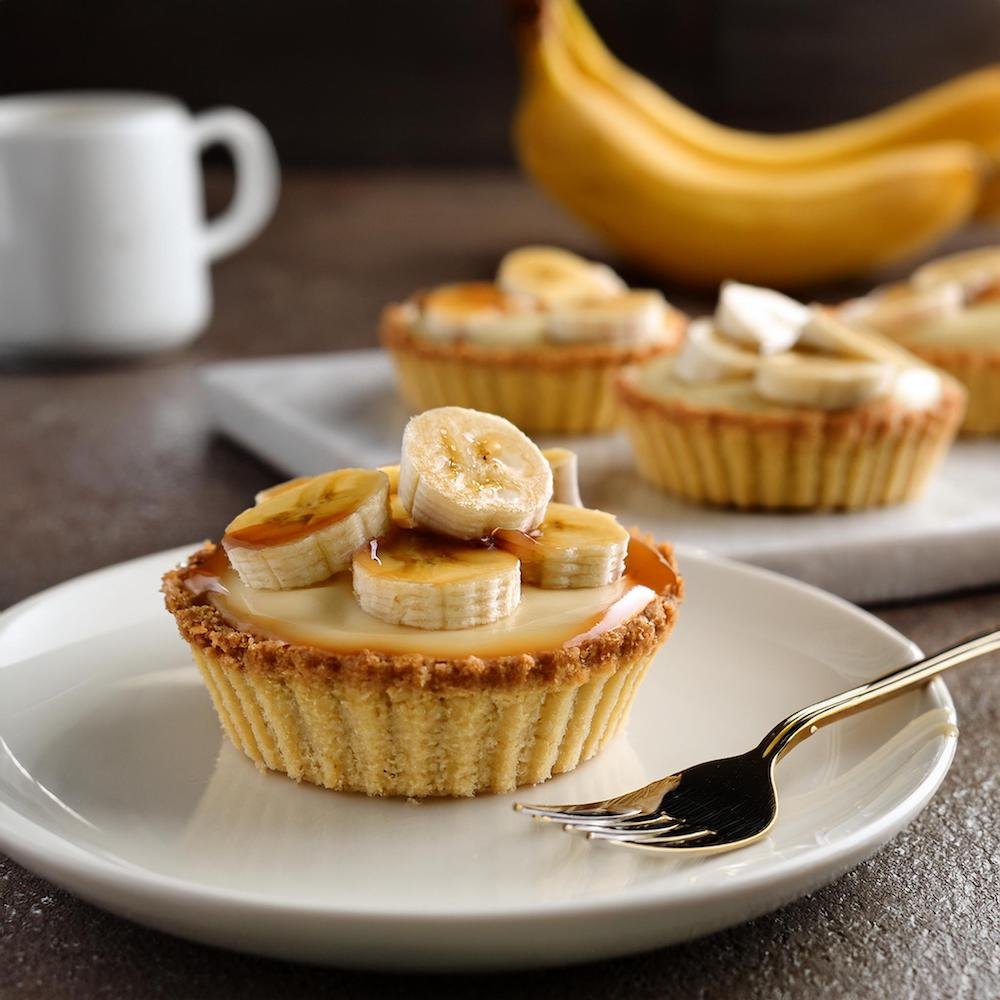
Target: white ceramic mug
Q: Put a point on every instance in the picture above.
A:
(104, 248)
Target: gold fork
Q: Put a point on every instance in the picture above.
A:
(729, 803)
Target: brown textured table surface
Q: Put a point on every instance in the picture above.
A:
(103, 464)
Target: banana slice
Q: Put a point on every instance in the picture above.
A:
(761, 317)
(273, 491)
(901, 307)
(706, 357)
(565, 482)
(464, 473)
(828, 334)
(822, 383)
(392, 474)
(573, 547)
(556, 277)
(976, 271)
(632, 317)
(307, 532)
(911, 382)
(397, 512)
(410, 578)
(481, 312)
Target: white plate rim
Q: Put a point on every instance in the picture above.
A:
(83, 871)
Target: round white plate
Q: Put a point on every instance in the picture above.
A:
(115, 783)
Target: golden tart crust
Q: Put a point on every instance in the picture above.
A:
(414, 725)
(548, 387)
(788, 458)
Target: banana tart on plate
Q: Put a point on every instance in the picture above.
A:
(453, 625)
(774, 404)
(539, 346)
(948, 314)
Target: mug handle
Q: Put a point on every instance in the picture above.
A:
(257, 177)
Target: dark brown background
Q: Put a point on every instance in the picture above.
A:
(402, 82)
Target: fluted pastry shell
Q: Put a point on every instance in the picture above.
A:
(418, 725)
(774, 457)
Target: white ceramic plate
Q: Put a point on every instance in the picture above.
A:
(115, 783)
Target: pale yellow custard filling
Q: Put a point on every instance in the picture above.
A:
(327, 615)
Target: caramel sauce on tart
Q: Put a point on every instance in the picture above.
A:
(285, 516)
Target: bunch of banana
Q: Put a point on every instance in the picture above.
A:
(694, 201)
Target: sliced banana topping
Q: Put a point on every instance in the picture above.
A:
(760, 317)
(464, 474)
(542, 295)
(306, 532)
(430, 582)
(822, 383)
(565, 481)
(826, 333)
(481, 312)
(556, 277)
(444, 540)
(975, 271)
(573, 547)
(631, 317)
(902, 306)
(392, 474)
(706, 357)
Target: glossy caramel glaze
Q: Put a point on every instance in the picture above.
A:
(298, 510)
(422, 557)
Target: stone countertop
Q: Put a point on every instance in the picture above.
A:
(105, 463)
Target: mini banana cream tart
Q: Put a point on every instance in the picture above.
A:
(948, 314)
(774, 404)
(453, 625)
(540, 345)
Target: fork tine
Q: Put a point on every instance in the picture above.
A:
(647, 839)
(567, 813)
(623, 833)
(637, 822)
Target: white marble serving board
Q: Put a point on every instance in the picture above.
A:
(309, 413)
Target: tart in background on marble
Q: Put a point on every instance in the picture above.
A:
(777, 405)
(540, 345)
(948, 314)
(484, 633)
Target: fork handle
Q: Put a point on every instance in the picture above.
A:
(802, 724)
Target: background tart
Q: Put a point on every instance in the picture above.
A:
(553, 388)
(722, 444)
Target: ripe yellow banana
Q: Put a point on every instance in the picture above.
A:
(687, 216)
(965, 108)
